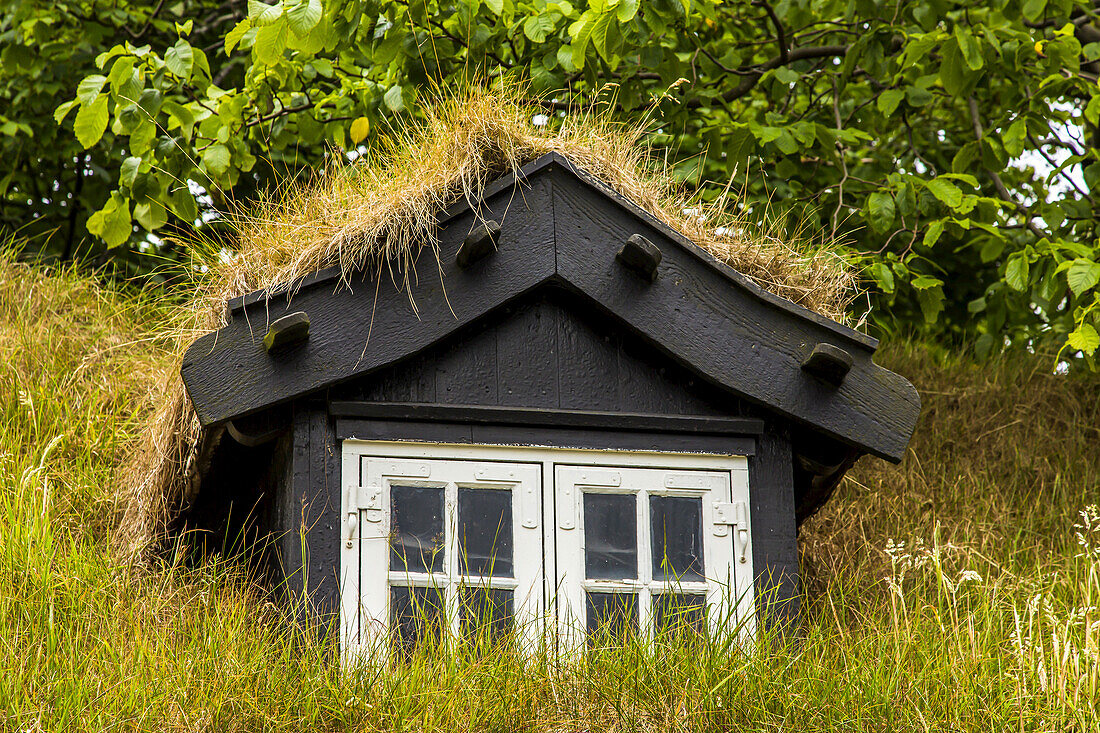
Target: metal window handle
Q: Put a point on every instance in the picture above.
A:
(741, 513)
(352, 522)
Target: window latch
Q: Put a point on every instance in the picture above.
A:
(735, 514)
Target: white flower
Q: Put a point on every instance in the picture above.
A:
(968, 576)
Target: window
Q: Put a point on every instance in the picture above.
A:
(437, 546)
(463, 539)
(644, 550)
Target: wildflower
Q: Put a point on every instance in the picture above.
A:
(969, 576)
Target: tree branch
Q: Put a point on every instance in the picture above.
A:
(753, 75)
(1002, 190)
(780, 34)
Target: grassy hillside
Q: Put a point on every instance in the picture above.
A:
(951, 592)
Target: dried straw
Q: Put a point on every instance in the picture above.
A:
(381, 209)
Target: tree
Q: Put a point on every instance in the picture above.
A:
(953, 144)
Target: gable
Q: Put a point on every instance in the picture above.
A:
(546, 352)
(559, 229)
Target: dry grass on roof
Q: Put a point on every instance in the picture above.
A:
(382, 209)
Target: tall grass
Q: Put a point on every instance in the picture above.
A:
(950, 593)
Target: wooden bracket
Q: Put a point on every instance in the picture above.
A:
(287, 331)
(478, 243)
(828, 363)
(640, 255)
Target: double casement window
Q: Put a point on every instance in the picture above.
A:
(456, 539)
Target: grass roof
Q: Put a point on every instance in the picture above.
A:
(380, 211)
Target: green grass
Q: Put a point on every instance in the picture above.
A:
(1005, 459)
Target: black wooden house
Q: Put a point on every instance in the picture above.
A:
(582, 415)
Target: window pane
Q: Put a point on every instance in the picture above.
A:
(610, 536)
(485, 532)
(677, 526)
(675, 614)
(416, 540)
(487, 610)
(416, 615)
(612, 614)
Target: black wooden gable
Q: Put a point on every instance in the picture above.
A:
(561, 231)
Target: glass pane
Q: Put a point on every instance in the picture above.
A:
(675, 614)
(485, 532)
(416, 539)
(610, 536)
(677, 529)
(487, 610)
(416, 615)
(612, 614)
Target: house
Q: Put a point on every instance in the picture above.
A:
(576, 414)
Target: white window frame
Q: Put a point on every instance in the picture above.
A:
(362, 539)
(721, 551)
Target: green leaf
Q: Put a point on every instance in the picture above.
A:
(151, 215)
(1033, 9)
(538, 27)
(786, 76)
(270, 43)
(926, 282)
(880, 207)
(1013, 137)
(1085, 338)
(394, 98)
(581, 32)
(303, 15)
(262, 14)
(884, 276)
(626, 10)
(932, 234)
(112, 222)
(993, 248)
(954, 73)
(889, 100)
(945, 191)
(63, 109)
(216, 157)
(129, 170)
(497, 6)
(1016, 272)
(179, 59)
(89, 88)
(931, 304)
(1082, 275)
(970, 47)
(565, 58)
(233, 37)
(91, 121)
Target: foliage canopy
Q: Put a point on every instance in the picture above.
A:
(953, 144)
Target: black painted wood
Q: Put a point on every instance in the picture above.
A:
(228, 373)
(640, 255)
(548, 352)
(526, 416)
(828, 363)
(308, 515)
(774, 534)
(692, 315)
(287, 331)
(478, 243)
(700, 313)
